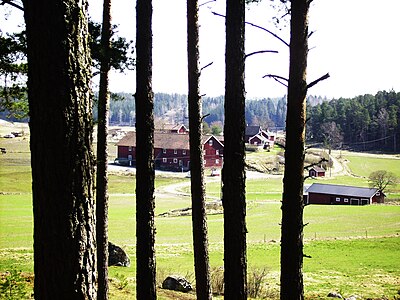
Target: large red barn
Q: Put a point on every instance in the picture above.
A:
(319, 193)
(171, 151)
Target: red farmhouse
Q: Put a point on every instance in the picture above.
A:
(171, 151)
(319, 193)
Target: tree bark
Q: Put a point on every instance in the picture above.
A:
(199, 222)
(233, 175)
(61, 149)
(145, 229)
(102, 157)
(292, 202)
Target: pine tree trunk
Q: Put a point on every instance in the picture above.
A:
(233, 175)
(61, 149)
(200, 241)
(292, 202)
(102, 158)
(145, 229)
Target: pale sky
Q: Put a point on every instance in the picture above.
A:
(356, 41)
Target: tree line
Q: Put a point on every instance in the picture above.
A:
(173, 108)
(367, 122)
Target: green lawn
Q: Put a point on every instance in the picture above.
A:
(353, 249)
(365, 165)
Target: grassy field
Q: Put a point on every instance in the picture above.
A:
(354, 250)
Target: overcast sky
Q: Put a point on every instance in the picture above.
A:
(356, 41)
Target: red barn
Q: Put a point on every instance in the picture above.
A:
(171, 151)
(319, 193)
(316, 172)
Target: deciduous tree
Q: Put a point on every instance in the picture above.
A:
(382, 180)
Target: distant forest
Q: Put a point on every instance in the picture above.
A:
(362, 123)
(173, 108)
(368, 122)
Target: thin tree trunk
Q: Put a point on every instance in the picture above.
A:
(102, 157)
(61, 149)
(145, 229)
(200, 241)
(292, 202)
(233, 175)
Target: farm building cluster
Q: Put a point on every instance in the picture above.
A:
(172, 151)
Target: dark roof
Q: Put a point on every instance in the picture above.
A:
(343, 190)
(164, 140)
(171, 127)
(318, 169)
(252, 130)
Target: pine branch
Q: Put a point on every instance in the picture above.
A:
(207, 65)
(315, 164)
(259, 27)
(277, 78)
(326, 76)
(207, 2)
(260, 52)
(12, 3)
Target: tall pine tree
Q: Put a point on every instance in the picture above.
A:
(144, 99)
(233, 174)
(59, 74)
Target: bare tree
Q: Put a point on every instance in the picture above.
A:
(292, 202)
(102, 157)
(144, 99)
(61, 149)
(233, 174)
(382, 179)
(199, 221)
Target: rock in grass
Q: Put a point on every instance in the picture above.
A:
(335, 295)
(117, 256)
(177, 283)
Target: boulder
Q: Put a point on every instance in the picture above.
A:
(177, 283)
(117, 256)
(335, 295)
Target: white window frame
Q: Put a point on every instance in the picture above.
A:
(346, 200)
(175, 160)
(210, 142)
(164, 150)
(337, 199)
(183, 152)
(217, 161)
(216, 152)
(175, 151)
(164, 160)
(130, 149)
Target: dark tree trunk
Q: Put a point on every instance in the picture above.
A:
(145, 230)
(200, 241)
(233, 175)
(102, 158)
(292, 202)
(61, 149)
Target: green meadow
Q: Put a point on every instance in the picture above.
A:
(353, 250)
